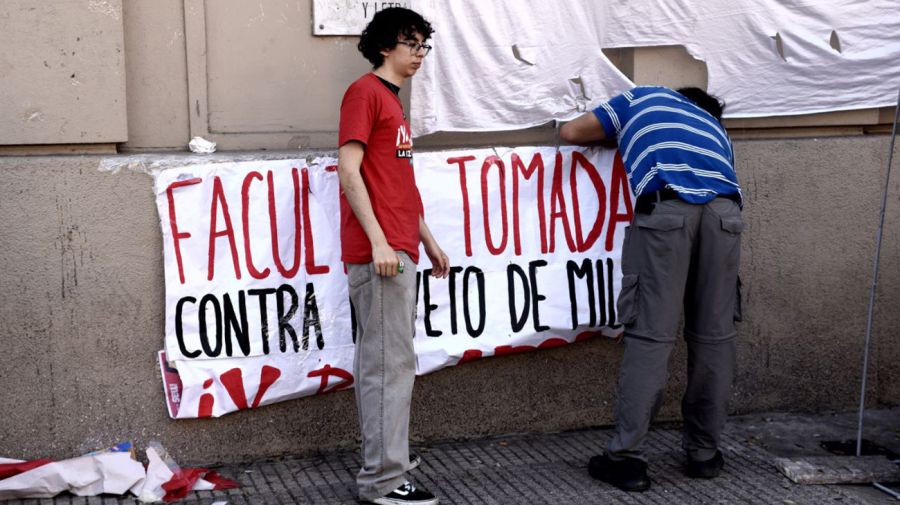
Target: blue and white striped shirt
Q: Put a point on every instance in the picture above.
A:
(666, 141)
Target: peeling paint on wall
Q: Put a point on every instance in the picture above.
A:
(107, 8)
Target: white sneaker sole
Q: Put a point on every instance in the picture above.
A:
(392, 501)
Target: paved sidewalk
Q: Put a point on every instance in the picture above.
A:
(552, 469)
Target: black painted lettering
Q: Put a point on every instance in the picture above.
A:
(585, 271)
(426, 301)
(311, 318)
(263, 315)
(611, 297)
(238, 327)
(474, 331)
(352, 320)
(516, 319)
(179, 327)
(601, 292)
(536, 296)
(284, 318)
(452, 280)
(204, 334)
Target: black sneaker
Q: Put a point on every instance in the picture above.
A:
(628, 474)
(407, 494)
(708, 469)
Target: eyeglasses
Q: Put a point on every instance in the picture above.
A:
(415, 47)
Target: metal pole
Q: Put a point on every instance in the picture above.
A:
(865, 372)
(887, 490)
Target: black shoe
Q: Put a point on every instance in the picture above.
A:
(708, 469)
(407, 494)
(627, 475)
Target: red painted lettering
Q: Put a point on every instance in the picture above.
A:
(503, 350)
(218, 198)
(551, 343)
(467, 224)
(273, 226)
(537, 164)
(488, 163)
(329, 371)
(176, 235)
(311, 267)
(619, 187)
(267, 376)
(245, 218)
(470, 355)
(233, 381)
(600, 189)
(558, 209)
(205, 406)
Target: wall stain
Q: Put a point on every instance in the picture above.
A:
(70, 242)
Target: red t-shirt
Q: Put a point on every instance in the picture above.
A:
(373, 115)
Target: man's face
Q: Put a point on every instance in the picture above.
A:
(406, 57)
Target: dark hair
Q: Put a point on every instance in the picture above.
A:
(385, 29)
(705, 101)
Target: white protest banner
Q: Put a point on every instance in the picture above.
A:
(534, 236)
(257, 309)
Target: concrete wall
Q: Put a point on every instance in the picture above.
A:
(82, 317)
(62, 72)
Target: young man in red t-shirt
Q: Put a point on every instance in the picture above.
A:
(381, 227)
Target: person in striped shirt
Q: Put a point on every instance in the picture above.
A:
(681, 252)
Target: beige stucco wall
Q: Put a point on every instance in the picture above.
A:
(62, 72)
(82, 304)
(156, 71)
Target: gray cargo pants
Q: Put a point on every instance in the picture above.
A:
(384, 368)
(679, 255)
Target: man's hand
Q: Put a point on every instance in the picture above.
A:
(440, 263)
(385, 260)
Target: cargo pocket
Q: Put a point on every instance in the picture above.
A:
(657, 235)
(733, 224)
(628, 298)
(660, 222)
(738, 304)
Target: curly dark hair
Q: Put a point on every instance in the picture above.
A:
(705, 101)
(386, 28)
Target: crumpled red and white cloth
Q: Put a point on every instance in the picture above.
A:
(108, 472)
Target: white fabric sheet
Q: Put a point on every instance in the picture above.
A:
(107, 473)
(473, 80)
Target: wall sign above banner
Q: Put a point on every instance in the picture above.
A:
(346, 17)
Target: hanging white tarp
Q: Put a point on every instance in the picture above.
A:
(508, 65)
